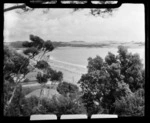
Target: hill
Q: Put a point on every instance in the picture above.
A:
(15, 44)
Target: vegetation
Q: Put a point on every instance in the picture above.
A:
(114, 85)
(108, 83)
(66, 88)
(17, 66)
(131, 105)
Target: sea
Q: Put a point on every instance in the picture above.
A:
(78, 56)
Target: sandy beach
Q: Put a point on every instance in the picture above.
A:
(71, 73)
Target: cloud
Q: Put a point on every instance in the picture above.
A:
(126, 24)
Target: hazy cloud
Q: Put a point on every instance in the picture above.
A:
(126, 24)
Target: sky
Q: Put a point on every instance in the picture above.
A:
(125, 25)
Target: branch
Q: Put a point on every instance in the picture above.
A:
(23, 6)
(12, 96)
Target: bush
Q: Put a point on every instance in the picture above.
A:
(31, 51)
(64, 88)
(58, 106)
(42, 64)
(54, 75)
(26, 80)
(30, 106)
(42, 78)
(131, 105)
(14, 109)
(62, 105)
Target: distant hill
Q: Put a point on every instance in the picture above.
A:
(77, 42)
(18, 44)
(15, 44)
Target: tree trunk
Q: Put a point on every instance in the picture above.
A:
(42, 55)
(13, 94)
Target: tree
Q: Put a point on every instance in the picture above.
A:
(14, 73)
(31, 52)
(54, 75)
(42, 64)
(95, 64)
(37, 47)
(14, 108)
(27, 44)
(131, 68)
(42, 79)
(110, 58)
(116, 77)
(65, 88)
(131, 105)
(16, 66)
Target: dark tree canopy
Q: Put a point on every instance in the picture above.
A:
(41, 78)
(42, 64)
(64, 88)
(27, 44)
(116, 77)
(36, 41)
(54, 75)
(31, 52)
(95, 64)
(48, 46)
(11, 63)
(37, 44)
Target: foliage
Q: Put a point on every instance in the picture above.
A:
(31, 52)
(17, 65)
(14, 109)
(54, 75)
(30, 106)
(131, 68)
(15, 68)
(26, 80)
(26, 44)
(42, 64)
(131, 105)
(64, 88)
(115, 78)
(11, 64)
(58, 106)
(48, 45)
(42, 78)
(36, 41)
(95, 64)
(110, 58)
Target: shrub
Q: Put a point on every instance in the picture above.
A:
(26, 80)
(131, 105)
(30, 106)
(42, 64)
(54, 75)
(31, 51)
(64, 88)
(62, 105)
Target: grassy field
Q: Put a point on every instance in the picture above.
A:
(28, 89)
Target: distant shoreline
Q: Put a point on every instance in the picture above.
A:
(104, 44)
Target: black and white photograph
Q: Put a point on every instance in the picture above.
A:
(74, 61)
